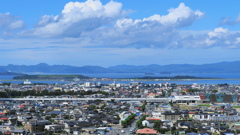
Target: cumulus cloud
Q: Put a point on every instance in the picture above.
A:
(219, 37)
(218, 32)
(179, 17)
(154, 31)
(224, 37)
(164, 31)
(92, 24)
(78, 17)
(9, 23)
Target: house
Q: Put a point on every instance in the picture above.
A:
(124, 115)
(146, 131)
(20, 132)
(54, 127)
(151, 95)
(70, 126)
(171, 116)
(13, 121)
(37, 126)
(207, 116)
(6, 128)
(227, 133)
(84, 124)
(3, 119)
(191, 114)
(155, 116)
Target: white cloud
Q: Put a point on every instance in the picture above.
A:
(9, 23)
(218, 32)
(16, 25)
(224, 37)
(154, 31)
(76, 18)
(92, 24)
(219, 37)
(179, 17)
(164, 31)
(46, 19)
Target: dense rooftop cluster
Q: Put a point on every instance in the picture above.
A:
(202, 109)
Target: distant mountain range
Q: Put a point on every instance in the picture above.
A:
(222, 67)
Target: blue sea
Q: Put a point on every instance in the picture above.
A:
(133, 75)
(229, 78)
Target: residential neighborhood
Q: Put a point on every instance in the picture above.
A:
(200, 109)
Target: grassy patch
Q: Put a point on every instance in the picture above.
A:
(205, 105)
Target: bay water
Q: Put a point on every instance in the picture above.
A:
(229, 78)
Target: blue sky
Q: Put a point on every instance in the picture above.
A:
(108, 33)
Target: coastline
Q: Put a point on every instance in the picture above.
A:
(127, 81)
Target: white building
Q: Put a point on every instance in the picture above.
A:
(205, 116)
(186, 99)
(27, 82)
(216, 117)
(87, 84)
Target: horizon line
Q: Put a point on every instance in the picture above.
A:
(116, 65)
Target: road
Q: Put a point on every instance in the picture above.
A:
(84, 99)
(118, 129)
(127, 130)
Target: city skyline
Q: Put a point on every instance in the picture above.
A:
(108, 33)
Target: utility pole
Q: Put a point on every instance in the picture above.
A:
(170, 130)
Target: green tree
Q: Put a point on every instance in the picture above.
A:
(214, 91)
(48, 133)
(92, 107)
(163, 94)
(45, 93)
(139, 122)
(143, 107)
(3, 95)
(193, 90)
(162, 130)
(128, 120)
(237, 131)
(157, 125)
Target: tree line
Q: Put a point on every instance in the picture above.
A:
(128, 120)
(16, 94)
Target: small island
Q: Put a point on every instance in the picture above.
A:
(179, 77)
(149, 74)
(10, 73)
(165, 73)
